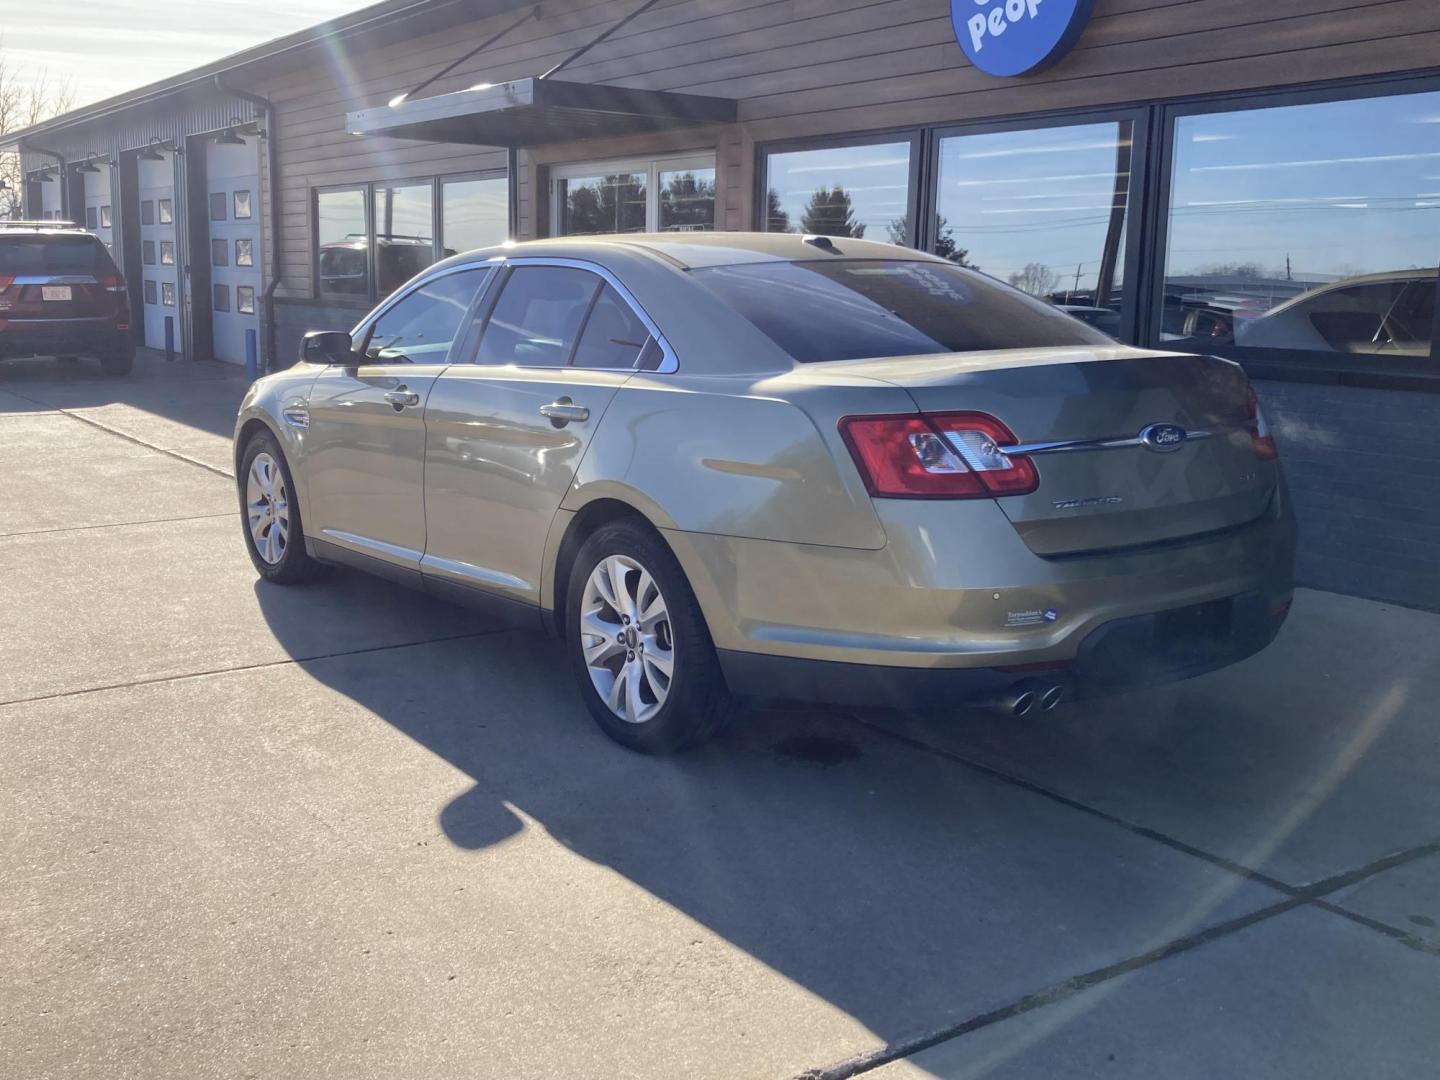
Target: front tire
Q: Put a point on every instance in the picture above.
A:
(638, 643)
(270, 517)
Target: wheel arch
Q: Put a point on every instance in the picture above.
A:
(253, 423)
(582, 524)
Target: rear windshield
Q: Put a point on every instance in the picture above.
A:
(848, 309)
(23, 255)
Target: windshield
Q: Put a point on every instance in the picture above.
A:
(21, 256)
(849, 309)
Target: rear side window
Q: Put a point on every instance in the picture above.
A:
(54, 255)
(539, 316)
(847, 309)
(420, 327)
(614, 334)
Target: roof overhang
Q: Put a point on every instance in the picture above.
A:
(533, 112)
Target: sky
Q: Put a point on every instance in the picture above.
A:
(105, 47)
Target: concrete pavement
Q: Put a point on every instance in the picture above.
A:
(346, 831)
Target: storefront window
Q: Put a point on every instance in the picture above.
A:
(1043, 209)
(1306, 227)
(658, 195)
(342, 244)
(474, 213)
(609, 203)
(404, 233)
(859, 191)
(687, 200)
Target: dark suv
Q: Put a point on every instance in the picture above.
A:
(61, 295)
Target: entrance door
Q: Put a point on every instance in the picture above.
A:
(98, 217)
(233, 185)
(157, 249)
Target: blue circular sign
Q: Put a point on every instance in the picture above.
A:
(1013, 37)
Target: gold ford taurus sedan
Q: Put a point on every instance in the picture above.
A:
(728, 465)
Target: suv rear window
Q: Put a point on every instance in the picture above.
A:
(55, 255)
(849, 309)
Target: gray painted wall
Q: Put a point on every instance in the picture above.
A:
(1364, 470)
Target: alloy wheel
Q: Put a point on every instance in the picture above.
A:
(267, 508)
(626, 637)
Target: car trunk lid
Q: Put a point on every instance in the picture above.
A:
(1102, 486)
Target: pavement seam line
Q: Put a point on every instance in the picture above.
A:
(1304, 896)
(159, 679)
(126, 436)
(115, 525)
(1049, 995)
(1074, 804)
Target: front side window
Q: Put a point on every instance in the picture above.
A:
(845, 309)
(539, 316)
(420, 327)
(342, 240)
(1044, 209)
(1310, 227)
(613, 336)
(404, 232)
(856, 191)
(474, 213)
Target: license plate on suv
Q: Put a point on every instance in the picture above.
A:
(55, 292)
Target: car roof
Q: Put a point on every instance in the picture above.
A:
(703, 249)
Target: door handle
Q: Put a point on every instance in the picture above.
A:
(564, 412)
(402, 397)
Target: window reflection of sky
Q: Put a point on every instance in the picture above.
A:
(1043, 197)
(1336, 188)
(876, 177)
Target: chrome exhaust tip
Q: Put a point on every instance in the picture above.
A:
(1051, 697)
(1014, 703)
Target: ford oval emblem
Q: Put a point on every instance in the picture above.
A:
(1164, 438)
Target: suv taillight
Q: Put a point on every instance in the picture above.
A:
(111, 283)
(1265, 448)
(937, 456)
(6, 280)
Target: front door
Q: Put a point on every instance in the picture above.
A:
(365, 445)
(505, 435)
(161, 286)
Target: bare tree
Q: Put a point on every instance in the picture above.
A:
(26, 98)
(1037, 279)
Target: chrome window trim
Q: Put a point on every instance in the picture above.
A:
(668, 366)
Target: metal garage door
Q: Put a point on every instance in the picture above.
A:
(158, 255)
(233, 183)
(98, 215)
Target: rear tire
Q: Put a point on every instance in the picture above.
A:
(628, 594)
(270, 517)
(118, 359)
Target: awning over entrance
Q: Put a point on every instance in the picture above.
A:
(532, 112)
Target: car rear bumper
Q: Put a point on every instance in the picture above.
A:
(71, 336)
(1126, 654)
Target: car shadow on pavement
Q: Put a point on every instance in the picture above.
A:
(907, 890)
(204, 396)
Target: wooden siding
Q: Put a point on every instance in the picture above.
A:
(802, 68)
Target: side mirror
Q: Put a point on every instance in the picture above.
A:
(328, 347)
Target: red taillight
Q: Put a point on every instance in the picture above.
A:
(6, 280)
(1265, 448)
(937, 456)
(111, 283)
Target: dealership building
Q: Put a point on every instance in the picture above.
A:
(1260, 181)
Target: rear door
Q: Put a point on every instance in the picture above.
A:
(233, 182)
(365, 443)
(506, 433)
(160, 260)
